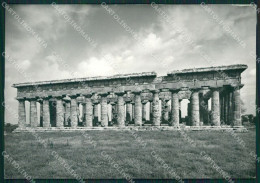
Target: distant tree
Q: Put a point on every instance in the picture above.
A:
(251, 118)
(10, 127)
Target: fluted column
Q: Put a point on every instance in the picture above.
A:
(129, 112)
(175, 108)
(41, 111)
(162, 110)
(205, 111)
(144, 110)
(104, 114)
(230, 108)
(138, 108)
(237, 106)
(21, 113)
(195, 113)
(166, 111)
(121, 109)
(151, 111)
(215, 108)
(46, 112)
(226, 104)
(113, 113)
(133, 111)
(201, 108)
(33, 113)
(222, 108)
(67, 110)
(95, 108)
(179, 111)
(89, 111)
(156, 110)
(189, 114)
(73, 111)
(59, 112)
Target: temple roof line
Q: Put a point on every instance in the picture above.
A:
(240, 67)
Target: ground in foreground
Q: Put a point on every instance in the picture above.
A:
(144, 154)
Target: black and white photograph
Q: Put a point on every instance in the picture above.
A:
(130, 91)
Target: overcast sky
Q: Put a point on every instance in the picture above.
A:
(125, 54)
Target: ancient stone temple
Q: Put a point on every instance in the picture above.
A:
(135, 99)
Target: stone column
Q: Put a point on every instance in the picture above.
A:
(89, 111)
(84, 112)
(162, 110)
(41, 112)
(138, 108)
(104, 114)
(230, 108)
(21, 113)
(151, 111)
(113, 113)
(189, 114)
(67, 113)
(222, 108)
(133, 111)
(166, 111)
(201, 108)
(129, 112)
(33, 113)
(95, 120)
(156, 111)
(59, 112)
(121, 109)
(73, 111)
(180, 119)
(215, 113)
(144, 110)
(195, 113)
(205, 111)
(174, 108)
(237, 106)
(226, 103)
(46, 112)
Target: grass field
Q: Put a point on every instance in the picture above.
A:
(135, 159)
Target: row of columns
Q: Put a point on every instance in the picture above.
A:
(225, 107)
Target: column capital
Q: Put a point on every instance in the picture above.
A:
(155, 91)
(40, 100)
(145, 91)
(236, 87)
(120, 93)
(137, 92)
(195, 90)
(184, 88)
(144, 101)
(95, 101)
(20, 98)
(164, 89)
(205, 88)
(89, 95)
(31, 99)
(67, 98)
(174, 90)
(104, 94)
(58, 97)
(215, 88)
(73, 96)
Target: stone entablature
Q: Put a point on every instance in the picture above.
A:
(130, 93)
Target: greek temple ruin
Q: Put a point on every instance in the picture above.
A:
(136, 99)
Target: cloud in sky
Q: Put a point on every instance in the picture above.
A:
(117, 51)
